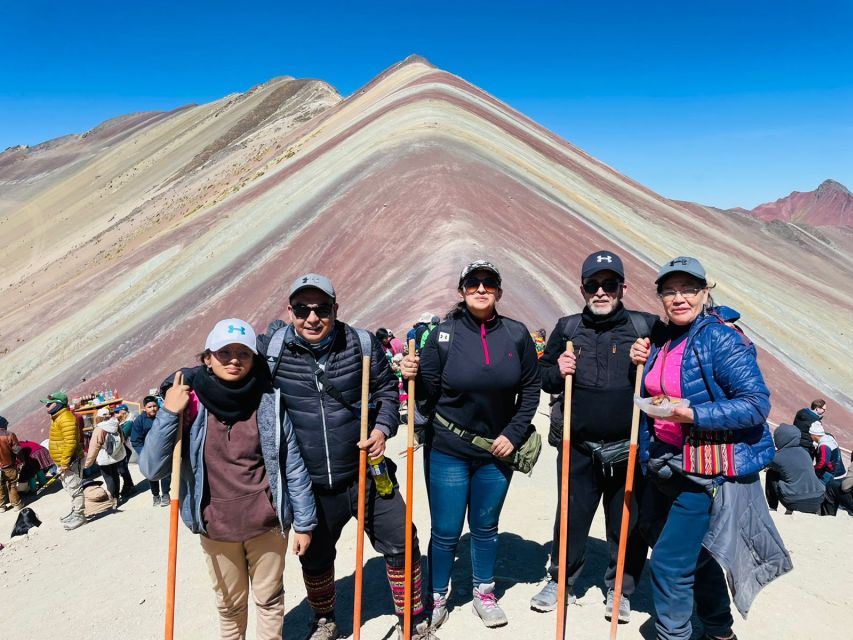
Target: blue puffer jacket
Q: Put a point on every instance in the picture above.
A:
(720, 377)
(290, 484)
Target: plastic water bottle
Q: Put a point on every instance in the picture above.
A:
(379, 471)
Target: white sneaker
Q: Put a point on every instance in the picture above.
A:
(486, 606)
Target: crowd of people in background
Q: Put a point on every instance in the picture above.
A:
(272, 423)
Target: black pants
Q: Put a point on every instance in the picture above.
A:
(384, 525)
(110, 473)
(587, 486)
(835, 498)
(124, 471)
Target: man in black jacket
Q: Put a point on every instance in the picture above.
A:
(602, 398)
(317, 363)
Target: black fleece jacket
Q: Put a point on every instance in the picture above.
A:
(603, 391)
(489, 384)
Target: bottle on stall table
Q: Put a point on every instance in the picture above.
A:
(379, 471)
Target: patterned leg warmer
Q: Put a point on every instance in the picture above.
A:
(321, 593)
(395, 568)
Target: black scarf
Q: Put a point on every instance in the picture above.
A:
(229, 402)
(605, 322)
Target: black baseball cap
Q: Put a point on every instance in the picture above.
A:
(602, 261)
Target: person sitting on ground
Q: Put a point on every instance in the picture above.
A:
(805, 418)
(139, 430)
(30, 470)
(107, 447)
(827, 460)
(8, 468)
(790, 476)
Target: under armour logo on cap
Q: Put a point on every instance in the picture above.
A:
(231, 331)
(602, 261)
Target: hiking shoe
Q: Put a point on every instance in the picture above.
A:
(165, 500)
(624, 607)
(323, 629)
(422, 631)
(439, 610)
(155, 501)
(76, 520)
(486, 606)
(546, 599)
(66, 517)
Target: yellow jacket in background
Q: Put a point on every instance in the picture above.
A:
(64, 438)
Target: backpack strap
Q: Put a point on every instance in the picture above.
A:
(275, 348)
(641, 325)
(364, 342)
(572, 324)
(445, 338)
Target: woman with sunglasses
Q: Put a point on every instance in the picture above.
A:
(478, 372)
(243, 481)
(703, 461)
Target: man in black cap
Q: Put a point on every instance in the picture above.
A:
(602, 406)
(316, 361)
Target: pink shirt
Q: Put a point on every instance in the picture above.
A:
(665, 378)
(396, 346)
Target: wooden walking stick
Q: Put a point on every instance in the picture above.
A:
(171, 571)
(410, 481)
(362, 490)
(626, 508)
(564, 505)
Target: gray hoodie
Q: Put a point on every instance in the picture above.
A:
(797, 479)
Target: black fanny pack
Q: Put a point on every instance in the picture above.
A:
(612, 456)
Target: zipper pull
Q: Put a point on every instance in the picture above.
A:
(614, 347)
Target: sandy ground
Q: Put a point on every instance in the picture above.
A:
(107, 579)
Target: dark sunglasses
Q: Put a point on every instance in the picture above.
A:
(472, 284)
(609, 286)
(302, 311)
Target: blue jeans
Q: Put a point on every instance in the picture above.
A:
(456, 485)
(682, 569)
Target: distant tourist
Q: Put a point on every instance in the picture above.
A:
(125, 420)
(702, 456)
(9, 448)
(478, 370)
(107, 448)
(67, 454)
(790, 477)
(805, 418)
(828, 464)
(139, 429)
(243, 484)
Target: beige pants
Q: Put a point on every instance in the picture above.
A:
(9, 480)
(72, 481)
(232, 566)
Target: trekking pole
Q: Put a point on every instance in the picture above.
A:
(626, 507)
(362, 482)
(50, 481)
(564, 504)
(410, 475)
(173, 523)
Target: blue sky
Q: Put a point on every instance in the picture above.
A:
(722, 102)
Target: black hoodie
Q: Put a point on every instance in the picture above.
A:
(797, 479)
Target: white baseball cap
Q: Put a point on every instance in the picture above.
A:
(231, 331)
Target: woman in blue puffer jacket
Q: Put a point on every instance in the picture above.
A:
(703, 456)
(244, 484)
